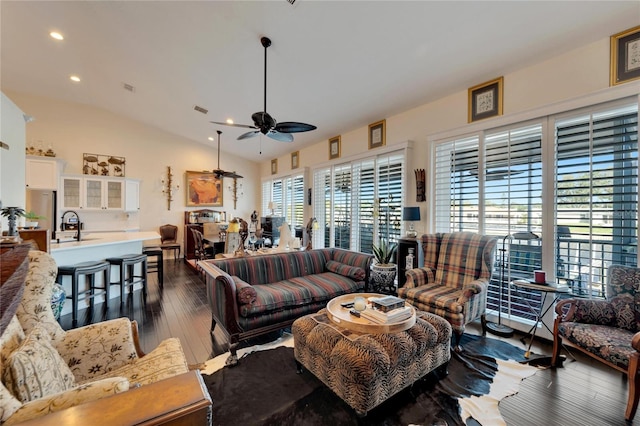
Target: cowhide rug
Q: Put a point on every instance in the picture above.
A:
(264, 389)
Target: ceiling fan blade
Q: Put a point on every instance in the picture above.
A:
(282, 137)
(232, 175)
(248, 135)
(246, 126)
(294, 127)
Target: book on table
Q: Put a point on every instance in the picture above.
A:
(393, 316)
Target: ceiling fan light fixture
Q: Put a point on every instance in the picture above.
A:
(265, 124)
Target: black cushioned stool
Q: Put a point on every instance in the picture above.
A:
(128, 278)
(89, 270)
(155, 261)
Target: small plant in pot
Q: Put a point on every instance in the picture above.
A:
(12, 214)
(31, 219)
(383, 270)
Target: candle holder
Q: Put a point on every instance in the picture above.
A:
(168, 188)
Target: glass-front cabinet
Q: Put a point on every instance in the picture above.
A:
(71, 192)
(102, 194)
(98, 193)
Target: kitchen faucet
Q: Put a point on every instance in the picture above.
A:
(63, 223)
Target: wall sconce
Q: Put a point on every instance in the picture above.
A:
(236, 189)
(168, 188)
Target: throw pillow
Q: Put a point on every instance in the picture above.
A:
(624, 308)
(245, 293)
(353, 272)
(36, 369)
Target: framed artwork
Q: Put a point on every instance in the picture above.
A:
(625, 56)
(485, 100)
(274, 166)
(377, 134)
(334, 147)
(295, 159)
(203, 189)
(103, 165)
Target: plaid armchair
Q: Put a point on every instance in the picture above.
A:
(606, 330)
(454, 280)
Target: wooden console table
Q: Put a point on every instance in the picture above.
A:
(179, 400)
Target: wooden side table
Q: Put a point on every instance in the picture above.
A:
(404, 244)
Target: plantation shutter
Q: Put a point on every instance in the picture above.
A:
(596, 195)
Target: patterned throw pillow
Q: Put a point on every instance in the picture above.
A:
(624, 308)
(353, 272)
(245, 293)
(36, 369)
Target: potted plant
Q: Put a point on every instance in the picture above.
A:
(383, 270)
(31, 219)
(12, 214)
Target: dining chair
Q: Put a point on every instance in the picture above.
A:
(169, 239)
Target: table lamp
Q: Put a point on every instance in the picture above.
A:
(411, 214)
(271, 207)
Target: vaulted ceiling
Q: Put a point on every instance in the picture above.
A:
(338, 65)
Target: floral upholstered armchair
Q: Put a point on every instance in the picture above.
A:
(454, 280)
(46, 369)
(606, 330)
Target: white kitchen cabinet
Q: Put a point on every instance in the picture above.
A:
(103, 193)
(99, 193)
(71, 192)
(131, 195)
(42, 172)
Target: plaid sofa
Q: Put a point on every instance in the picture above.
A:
(454, 280)
(254, 295)
(606, 330)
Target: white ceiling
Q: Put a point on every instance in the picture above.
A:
(339, 65)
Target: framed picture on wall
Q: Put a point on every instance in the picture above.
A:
(274, 166)
(203, 189)
(625, 56)
(485, 100)
(334, 147)
(377, 134)
(295, 159)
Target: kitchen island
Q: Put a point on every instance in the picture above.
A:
(98, 246)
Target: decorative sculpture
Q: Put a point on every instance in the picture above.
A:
(313, 223)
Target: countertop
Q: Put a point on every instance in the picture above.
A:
(103, 239)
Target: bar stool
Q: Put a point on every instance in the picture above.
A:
(128, 277)
(155, 262)
(89, 270)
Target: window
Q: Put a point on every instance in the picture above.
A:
(596, 191)
(356, 203)
(492, 182)
(286, 195)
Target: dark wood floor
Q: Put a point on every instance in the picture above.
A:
(584, 392)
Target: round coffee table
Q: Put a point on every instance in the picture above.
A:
(341, 316)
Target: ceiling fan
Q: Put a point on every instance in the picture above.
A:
(263, 122)
(219, 172)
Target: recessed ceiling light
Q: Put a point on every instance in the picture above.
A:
(229, 121)
(56, 35)
(74, 78)
(210, 138)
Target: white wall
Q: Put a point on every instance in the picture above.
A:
(579, 72)
(73, 129)
(12, 166)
